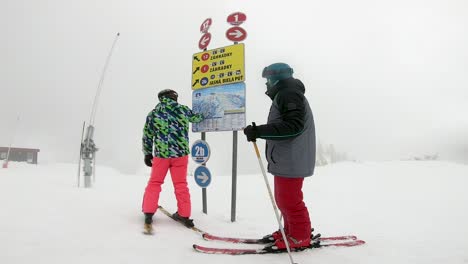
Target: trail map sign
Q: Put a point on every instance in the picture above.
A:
(218, 67)
(223, 108)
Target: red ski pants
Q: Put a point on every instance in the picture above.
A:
(178, 168)
(289, 199)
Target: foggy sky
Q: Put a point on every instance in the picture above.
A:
(385, 79)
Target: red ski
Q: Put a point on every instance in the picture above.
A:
(238, 251)
(211, 237)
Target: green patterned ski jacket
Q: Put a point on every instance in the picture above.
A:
(166, 129)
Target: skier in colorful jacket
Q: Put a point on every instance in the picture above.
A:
(290, 151)
(165, 135)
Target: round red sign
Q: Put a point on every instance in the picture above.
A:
(205, 25)
(204, 41)
(236, 34)
(236, 18)
(205, 56)
(205, 68)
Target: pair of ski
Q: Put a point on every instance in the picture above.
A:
(334, 241)
(148, 228)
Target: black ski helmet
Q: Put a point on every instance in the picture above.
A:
(168, 93)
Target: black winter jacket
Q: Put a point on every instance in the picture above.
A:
(290, 131)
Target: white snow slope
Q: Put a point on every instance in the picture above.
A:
(406, 211)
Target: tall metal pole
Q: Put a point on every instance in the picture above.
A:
(204, 195)
(101, 81)
(234, 176)
(94, 169)
(88, 147)
(79, 158)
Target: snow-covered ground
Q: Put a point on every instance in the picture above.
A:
(406, 211)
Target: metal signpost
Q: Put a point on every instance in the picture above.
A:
(235, 34)
(215, 75)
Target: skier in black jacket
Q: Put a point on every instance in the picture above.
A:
(290, 151)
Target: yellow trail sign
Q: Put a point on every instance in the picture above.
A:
(219, 66)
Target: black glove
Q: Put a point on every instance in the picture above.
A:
(149, 160)
(251, 132)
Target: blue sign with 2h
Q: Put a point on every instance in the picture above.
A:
(202, 176)
(200, 151)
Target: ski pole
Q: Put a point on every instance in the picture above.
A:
(275, 208)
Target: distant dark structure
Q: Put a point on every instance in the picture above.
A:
(19, 154)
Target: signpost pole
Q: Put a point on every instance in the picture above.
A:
(234, 176)
(204, 194)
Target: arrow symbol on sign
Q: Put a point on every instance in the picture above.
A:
(204, 177)
(204, 40)
(198, 68)
(196, 58)
(195, 83)
(237, 33)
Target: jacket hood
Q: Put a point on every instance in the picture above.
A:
(290, 83)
